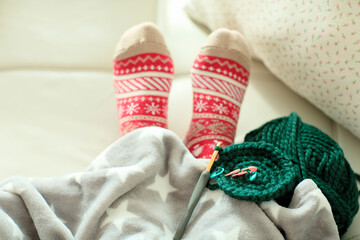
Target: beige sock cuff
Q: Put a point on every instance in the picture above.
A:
(228, 44)
(142, 38)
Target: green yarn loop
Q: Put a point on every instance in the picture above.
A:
(285, 152)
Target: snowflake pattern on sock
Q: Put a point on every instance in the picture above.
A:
(142, 84)
(219, 86)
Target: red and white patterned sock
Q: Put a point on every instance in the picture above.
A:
(219, 77)
(143, 72)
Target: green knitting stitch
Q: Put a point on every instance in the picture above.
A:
(286, 151)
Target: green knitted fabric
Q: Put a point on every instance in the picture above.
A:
(286, 151)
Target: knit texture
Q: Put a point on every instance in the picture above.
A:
(286, 151)
(143, 73)
(219, 77)
(142, 84)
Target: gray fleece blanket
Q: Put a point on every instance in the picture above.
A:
(138, 188)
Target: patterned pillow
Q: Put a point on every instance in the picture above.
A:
(313, 47)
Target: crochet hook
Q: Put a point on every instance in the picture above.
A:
(195, 196)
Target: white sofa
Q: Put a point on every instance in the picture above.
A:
(57, 104)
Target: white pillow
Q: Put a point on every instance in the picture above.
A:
(313, 47)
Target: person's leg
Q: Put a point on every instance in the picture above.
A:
(143, 72)
(219, 78)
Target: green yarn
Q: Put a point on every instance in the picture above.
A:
(287, 151)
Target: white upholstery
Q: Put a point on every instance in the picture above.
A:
(57, 104)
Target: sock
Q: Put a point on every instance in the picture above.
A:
(143, 72)
(219, 79)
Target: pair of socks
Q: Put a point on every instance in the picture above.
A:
(143, 73)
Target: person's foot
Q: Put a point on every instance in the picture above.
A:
(143, 72)
(219, 78)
